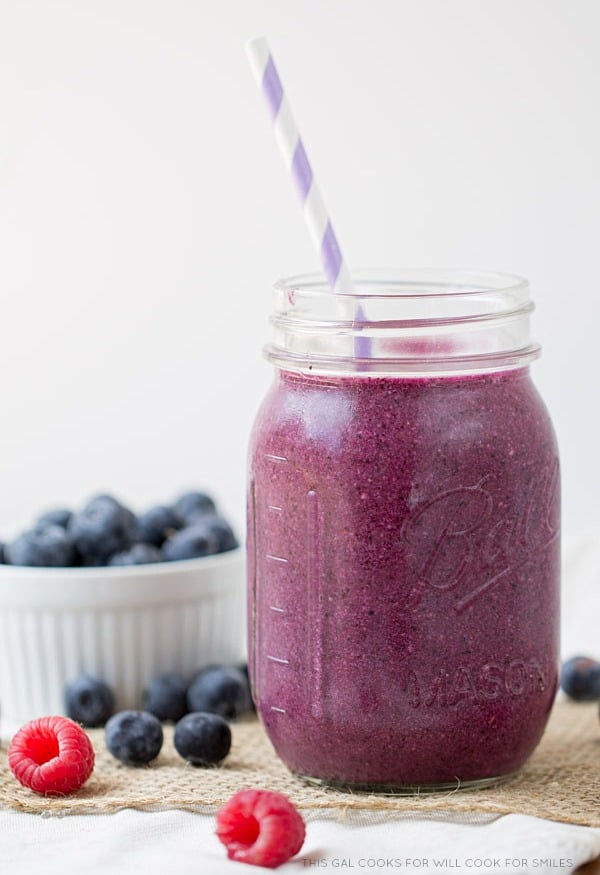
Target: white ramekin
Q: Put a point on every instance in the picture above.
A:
(123, 624)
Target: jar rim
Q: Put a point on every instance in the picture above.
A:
(411, 283)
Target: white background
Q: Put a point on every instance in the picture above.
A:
(144, 214)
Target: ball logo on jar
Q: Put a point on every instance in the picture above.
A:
(468, 540)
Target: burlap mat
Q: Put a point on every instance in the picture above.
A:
(560, 782)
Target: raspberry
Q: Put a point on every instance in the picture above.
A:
(51, 755)
(260, 827)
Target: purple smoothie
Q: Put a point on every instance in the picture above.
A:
(403, 575)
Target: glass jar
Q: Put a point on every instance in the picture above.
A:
(403, 533)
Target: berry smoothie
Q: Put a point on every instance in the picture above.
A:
(403, 575)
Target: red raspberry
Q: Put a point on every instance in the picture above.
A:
(51, 755)
(260, 827)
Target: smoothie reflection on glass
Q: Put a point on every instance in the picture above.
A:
(403, 521)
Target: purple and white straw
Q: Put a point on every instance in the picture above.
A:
(291, 147)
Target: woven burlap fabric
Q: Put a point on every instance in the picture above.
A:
(560, 782)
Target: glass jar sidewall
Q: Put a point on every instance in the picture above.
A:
(384, 555)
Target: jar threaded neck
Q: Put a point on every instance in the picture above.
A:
(410, 322)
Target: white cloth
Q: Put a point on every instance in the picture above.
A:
(181, 842)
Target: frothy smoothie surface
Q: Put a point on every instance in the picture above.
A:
(404, 575)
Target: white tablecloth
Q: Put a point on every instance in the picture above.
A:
(181, 842)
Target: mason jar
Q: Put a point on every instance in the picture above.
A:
(403, 533)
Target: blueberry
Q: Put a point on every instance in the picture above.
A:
(190, 543)
(202, 739)
(580, 678)
(156, 524)
(92, 562)
(102, 528)
(220, 689)
(139, 554)
(43, 546)
(244, 670)
(166, 698)
(222, 531)
(59, 517)
(89, 701)
(134, 737)
(193, 504)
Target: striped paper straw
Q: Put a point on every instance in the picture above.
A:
(293, 152)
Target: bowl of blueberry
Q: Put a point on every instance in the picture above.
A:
(123, 596)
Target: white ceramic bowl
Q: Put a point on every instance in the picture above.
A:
(123, 624)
